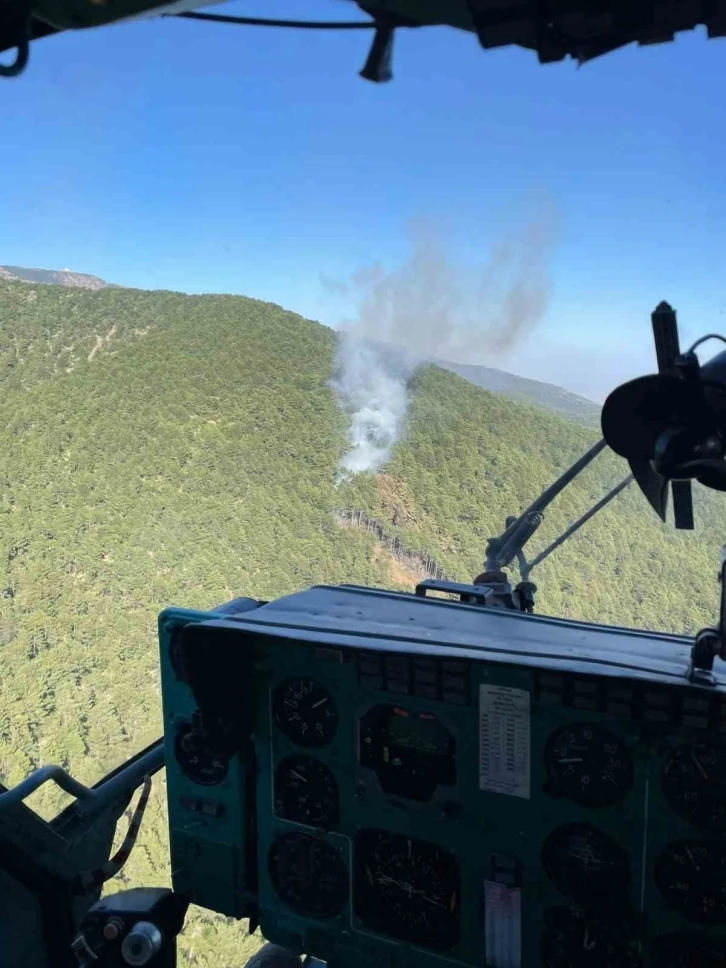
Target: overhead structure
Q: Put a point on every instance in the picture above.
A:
(555, 30)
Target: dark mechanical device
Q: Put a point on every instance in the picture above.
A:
(580, 29)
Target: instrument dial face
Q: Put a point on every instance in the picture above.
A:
(588, 764)
(691, 877)
(308, 875)
(688, 949)
(305, 712)
(694, 785)
(585, 864)
(407, 889)
(196, 759)
(574, 939)
(411, 752)
(306, 792)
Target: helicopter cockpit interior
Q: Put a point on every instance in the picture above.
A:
(431, 779)
(417, 779)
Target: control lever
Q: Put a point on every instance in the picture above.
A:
(132, 928)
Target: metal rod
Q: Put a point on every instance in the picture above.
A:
(36, 779)
(127, 779)
(505, 548)
(580, 521)
(266, 22)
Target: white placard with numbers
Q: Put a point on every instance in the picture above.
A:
(504, 740)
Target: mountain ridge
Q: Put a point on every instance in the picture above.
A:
(52, 277)
(516, 388)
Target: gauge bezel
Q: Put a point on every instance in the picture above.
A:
(669, 788)
(705, 853)
(337, 896)
(377, 915)
(185, 730)
(564, 921)
(302, 761)
(560, 783)
(315, 740)
(412, 774)
(604, 890)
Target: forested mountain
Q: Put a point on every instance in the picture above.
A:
(516, 388)
(167, 449)
(523, 390)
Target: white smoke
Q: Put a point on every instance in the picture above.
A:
(370, 380)
(429, 308)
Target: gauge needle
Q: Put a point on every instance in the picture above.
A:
(692, 859)
(320, 702)
(699, 767)
(572, 759)
(298, 777)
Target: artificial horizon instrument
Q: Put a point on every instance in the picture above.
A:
(412, 780)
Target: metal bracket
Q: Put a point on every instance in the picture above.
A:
(710, 643)
(15, 25)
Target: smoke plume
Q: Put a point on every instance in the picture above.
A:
(426, 308)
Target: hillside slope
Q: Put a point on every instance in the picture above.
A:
(70, 338)
(522, 390)
(166, 449)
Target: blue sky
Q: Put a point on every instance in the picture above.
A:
(174, 154)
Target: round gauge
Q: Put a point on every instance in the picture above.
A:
(411, 752)
(308, 875)
(196, 759)
(574, 939)
(306, 792)
(305, 711)
(693, 783)
(585, 864)
(691, 877)
(407, 889)
(588, 764)
(687, 949)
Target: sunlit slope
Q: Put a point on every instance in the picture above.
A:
(191, 458)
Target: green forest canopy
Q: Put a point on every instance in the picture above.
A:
(165, 449)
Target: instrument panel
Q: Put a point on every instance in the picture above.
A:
(423, 807)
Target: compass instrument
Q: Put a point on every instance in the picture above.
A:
(407, 889)
(308, 875)
(586, 864)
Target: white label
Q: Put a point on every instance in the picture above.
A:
(504, 740)
(502, 925)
